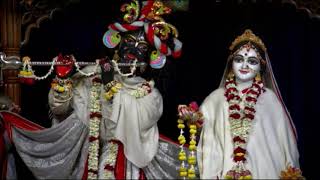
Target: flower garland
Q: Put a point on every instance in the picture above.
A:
(142, 91)
(94, 126)
(194, 118)
(241, 123)
(132, 68)
(109, 165)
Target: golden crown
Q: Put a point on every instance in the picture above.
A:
(248, 36)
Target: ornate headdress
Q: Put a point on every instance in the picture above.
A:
(248, 36)
(158, 32)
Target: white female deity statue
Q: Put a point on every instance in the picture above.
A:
(247, 130)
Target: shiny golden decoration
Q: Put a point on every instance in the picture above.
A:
(158, 9)
(163, 30)
(248, 36)
(132, 9)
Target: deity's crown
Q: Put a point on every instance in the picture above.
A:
(248, 36)
(148, 17)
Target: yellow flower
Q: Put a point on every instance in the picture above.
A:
(191, 171)
(182, 158)
(181, 137)
(183, 141)
(108, 95)
(181, 126)
(192, 157)
(118, 86)
(239, 154)
(183, 174)
(191, 176)
(114, 89)
(192, 161)
(192, 147)
(183, 169)
(180, 121)
(182, 153)
(28, 73)
(61, 89)
(193, 126)
(193, 131)
(193, 142)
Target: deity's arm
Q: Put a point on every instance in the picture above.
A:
(136, 119)
(60, 103)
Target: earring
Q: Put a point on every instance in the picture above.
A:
(116, 56)
(258, 77)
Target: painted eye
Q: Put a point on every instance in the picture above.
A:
(143, 47)
(130, 41)
(253, 61)
(238, 59)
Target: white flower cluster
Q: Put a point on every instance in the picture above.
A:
(112, 152)
(141, 91)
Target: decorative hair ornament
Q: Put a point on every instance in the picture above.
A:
(111, 38)
(158, 32)
(157, 60)
(250, 37)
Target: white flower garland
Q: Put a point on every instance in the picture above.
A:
(112, 153)
(132, 68)
(94, 124)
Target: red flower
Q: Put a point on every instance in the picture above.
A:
(235, 115)
(95, 114)
(239, 158)
(238, 139)
(250, 109)
(97, 80)
(251, 91)
(239, 150)
(91, 138)
(108, 167)
(93, 171)
(194, 106)
(250, 116)
(251, 99)
(228, 91)
(234, 106)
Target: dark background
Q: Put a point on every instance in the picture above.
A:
(292, 37)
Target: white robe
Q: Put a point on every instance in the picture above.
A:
(271, 145)
(61, 151)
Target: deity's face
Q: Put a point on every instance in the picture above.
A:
(133, 46)
(246, 64)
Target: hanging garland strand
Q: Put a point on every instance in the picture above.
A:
(27, 74)
(193, 117)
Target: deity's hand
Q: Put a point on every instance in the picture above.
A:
(191, 114)
(65, 66)
(107, 71)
